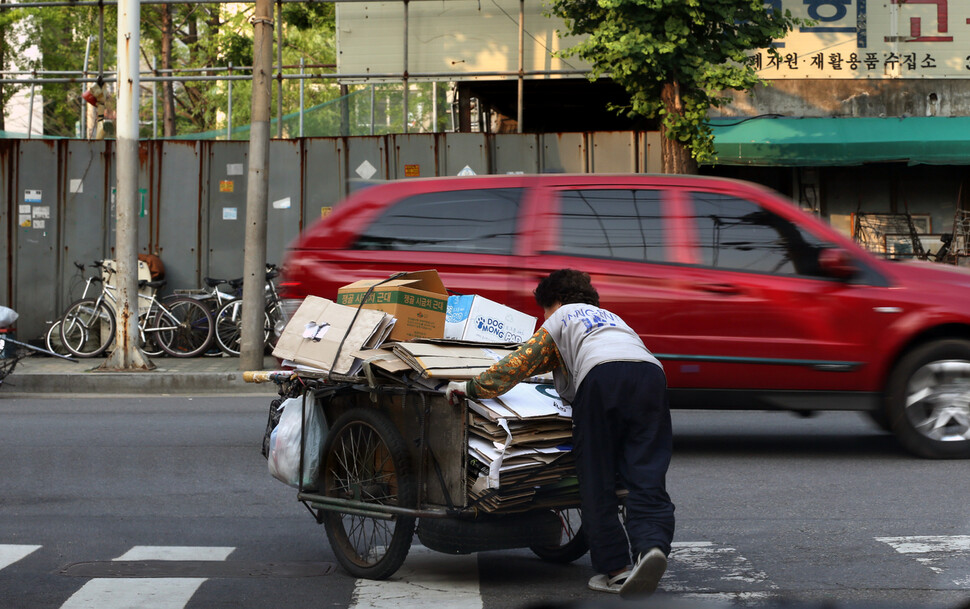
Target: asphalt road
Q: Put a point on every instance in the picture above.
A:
(166, 502)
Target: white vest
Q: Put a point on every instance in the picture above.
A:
(586, 336)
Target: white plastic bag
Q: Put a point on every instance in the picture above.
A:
(7, 316)
(284, 443)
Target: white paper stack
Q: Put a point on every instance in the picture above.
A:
(518, 444)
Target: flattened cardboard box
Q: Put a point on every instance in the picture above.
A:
(450, 362)
(418, 300)
(332, 321)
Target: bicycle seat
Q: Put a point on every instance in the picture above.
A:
(213, 282)
(272, 274)
(154, 284)
(236, 283)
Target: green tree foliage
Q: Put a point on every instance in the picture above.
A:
(61, 37)
(675, 58)
(220, 36)
(205, 40)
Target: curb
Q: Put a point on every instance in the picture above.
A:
(153, 382)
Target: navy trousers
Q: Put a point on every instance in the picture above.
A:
(622, 434)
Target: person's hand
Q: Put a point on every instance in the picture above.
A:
(455, 392)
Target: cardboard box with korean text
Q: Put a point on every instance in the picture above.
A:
(417, 300)
(315, 335)
(474, 318)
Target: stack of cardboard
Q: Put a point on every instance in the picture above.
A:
(449, 361)
(519, 449)
(323, 335)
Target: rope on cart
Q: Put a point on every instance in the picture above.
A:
(363, 301)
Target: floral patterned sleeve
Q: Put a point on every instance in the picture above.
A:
(537, 355)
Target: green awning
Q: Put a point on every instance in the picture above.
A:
(793, 142)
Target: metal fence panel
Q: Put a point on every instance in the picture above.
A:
(323, 177)
(284, 208)
(366, 157)
(226, 178)
(177, 196)
(415, 155)
(613, 152)
(8, 216)
(516, 153)
(83, 236)
(564, 152)
(466, 150)
(36, 195)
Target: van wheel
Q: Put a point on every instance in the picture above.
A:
(928, 398)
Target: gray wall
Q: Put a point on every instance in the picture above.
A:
(194, 198)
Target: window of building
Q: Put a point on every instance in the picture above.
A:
(471, 221)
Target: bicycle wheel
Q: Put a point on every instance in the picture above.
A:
(53, 339)
(183, 327)
(87, 328)
(366, 460)
(229, 327)
(149, 345)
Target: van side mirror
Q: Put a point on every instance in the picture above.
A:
(836, 263)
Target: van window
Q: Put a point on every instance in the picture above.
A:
(738, 234)
(611, 223)
(473, 221)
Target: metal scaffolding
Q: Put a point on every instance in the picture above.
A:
(85, 77)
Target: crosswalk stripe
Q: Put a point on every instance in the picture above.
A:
(933, 551)
(701, 566)
(135, 593)
(11, 553)
(426, 579)
(176, 553)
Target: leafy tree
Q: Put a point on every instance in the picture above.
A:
(61, 36)
(199, 37)
(8, 19)
(675, 58)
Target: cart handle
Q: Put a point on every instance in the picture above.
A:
(268, 376)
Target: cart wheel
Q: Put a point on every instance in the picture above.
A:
(572, 543)
(365, 459)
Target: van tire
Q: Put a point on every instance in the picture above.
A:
(928, 400)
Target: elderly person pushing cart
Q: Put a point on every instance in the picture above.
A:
(621, 426)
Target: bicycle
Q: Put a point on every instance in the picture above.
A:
(229, 317)
(180, 327)
(53, 337)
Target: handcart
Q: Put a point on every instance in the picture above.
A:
(394, 462)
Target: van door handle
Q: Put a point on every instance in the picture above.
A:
(720, 288)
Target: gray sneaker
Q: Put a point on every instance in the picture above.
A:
(645, 576)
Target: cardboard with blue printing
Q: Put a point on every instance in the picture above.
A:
(474, 318)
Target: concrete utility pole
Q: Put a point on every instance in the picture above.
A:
(127, 354)
(257, 192)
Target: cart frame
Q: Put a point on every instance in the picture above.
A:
(429, 477)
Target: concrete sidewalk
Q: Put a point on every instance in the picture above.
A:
(210, 375)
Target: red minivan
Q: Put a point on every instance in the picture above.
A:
(749, 302)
